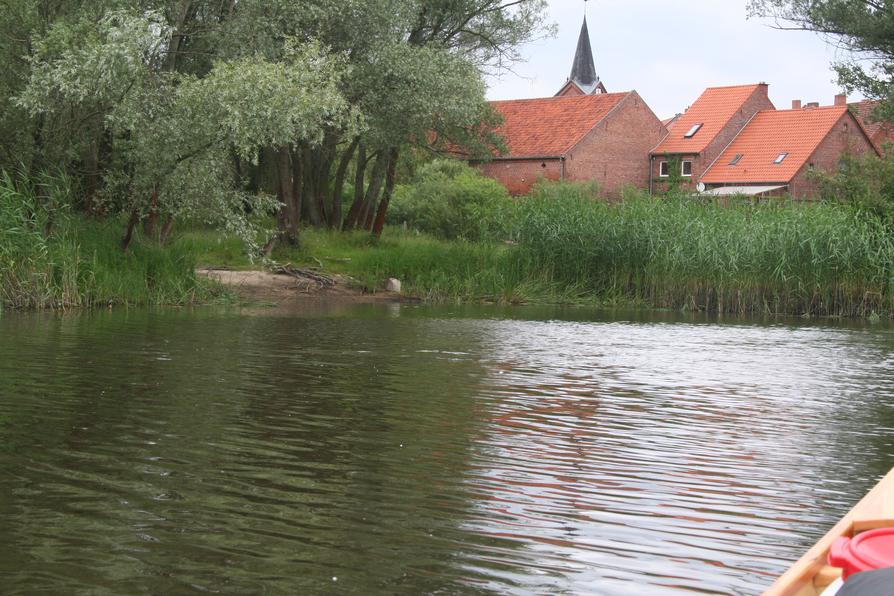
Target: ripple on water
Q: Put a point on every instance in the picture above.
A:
(420, 452)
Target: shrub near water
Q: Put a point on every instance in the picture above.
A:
(768, 258)
(77, 261)
(450, 200)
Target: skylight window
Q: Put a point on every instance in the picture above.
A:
(781, 158)
(691, 132)
(736, 159)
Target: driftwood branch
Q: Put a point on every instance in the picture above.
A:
(306, 275)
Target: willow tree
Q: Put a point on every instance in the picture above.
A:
(414, 74)
(865, 28)
(174, 134)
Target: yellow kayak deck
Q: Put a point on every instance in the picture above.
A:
(810, 576)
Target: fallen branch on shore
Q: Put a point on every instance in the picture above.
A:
(306, 275)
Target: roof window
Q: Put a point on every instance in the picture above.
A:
(781, 158)
(691, 132)
(736, 159)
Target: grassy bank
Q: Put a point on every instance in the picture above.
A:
(556, 246)
(51, 259)
(802, 259)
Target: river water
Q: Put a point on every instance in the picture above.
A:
(406, 449)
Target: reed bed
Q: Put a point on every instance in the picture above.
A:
(769, 258)
(50, 259)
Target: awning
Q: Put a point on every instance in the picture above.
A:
(725, 191)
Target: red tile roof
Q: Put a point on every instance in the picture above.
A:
(713, 109)
(863, 110)
(551, 126)
(770, 134)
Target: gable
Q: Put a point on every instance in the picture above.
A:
(549, 127)
(713, 110)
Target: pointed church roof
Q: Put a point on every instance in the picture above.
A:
(583, 70)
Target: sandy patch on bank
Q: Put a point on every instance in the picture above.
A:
(278, 288)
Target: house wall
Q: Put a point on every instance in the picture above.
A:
(616, 152)
(519, 175)
(660, 184)
(758, 101)
(569, 90)
(845, 138)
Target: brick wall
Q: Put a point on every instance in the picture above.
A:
(758, 101)
(845, 138)
(519, 175)
(569, 90)
(616, 152)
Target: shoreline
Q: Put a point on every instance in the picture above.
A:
(278, 288)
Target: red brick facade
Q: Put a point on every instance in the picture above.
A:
(845, 138)
(614, 152)
(519, 175)
(701, 161)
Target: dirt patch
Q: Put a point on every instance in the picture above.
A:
(279, 287)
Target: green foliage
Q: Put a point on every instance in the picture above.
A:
(864, 28)
(763, 258)
(49, 258)
(866, 183)
(448, 199)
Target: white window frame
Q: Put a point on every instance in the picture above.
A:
(683, 168)
(663, 169)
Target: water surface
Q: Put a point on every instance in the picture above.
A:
(404, 449)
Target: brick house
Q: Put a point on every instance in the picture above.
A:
(700, 134)
(777, 150)
(604, 137)
(880, 132)
(582, 133)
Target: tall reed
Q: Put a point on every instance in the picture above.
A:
(793, 258)
(51, 259)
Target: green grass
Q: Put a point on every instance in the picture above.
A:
(770, 258)
(82, 264)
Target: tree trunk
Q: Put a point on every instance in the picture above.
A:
(372, 191)
(152, 216)
(340, 173)
(379, 223)
(128, 234)
(286, 194)
(298, 175)
(166, 229)
(359, 173)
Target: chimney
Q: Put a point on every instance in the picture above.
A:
(812, 104)
(841, 99)
(796, 104)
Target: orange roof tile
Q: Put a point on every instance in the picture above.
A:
(551, 126)
(713, 109)
(863, 110)
(770, 134)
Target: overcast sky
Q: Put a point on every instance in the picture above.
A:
(670, 50)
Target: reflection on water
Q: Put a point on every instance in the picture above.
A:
(405, 449)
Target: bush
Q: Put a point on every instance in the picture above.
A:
(866, 183)
(451, 200)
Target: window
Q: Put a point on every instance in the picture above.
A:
(781, 158)
(736, 159)
(663, 169)
(686, 168)
(691, 132)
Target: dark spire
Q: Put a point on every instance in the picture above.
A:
(583, 71)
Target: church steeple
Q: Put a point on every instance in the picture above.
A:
(583, 70)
